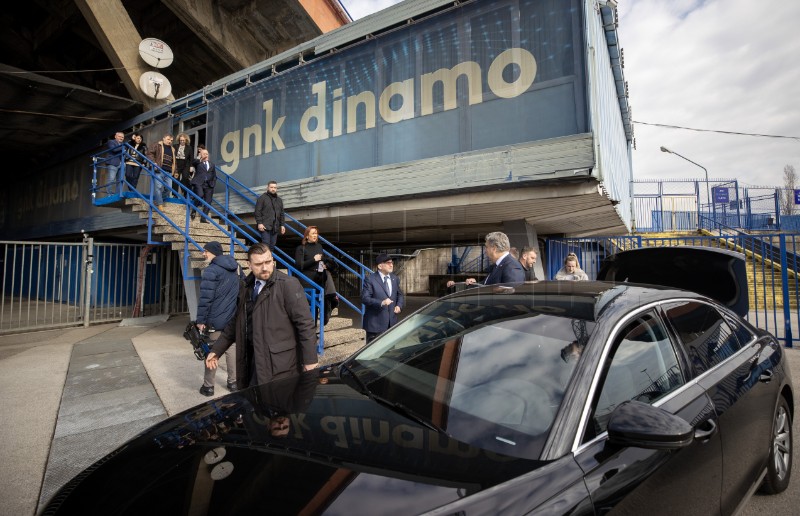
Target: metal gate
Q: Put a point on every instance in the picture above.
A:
(772, 269)
(52, 285)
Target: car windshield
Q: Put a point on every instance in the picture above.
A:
(488, 370)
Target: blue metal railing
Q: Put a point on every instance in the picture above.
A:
(232, 224)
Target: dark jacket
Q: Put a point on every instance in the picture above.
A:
(283, 336)
(202, 177)
(115, 152)
(269, 211)
(134, 158)
(509, 271)
(182, 166)
(304, 260)
(377, 318)
(219, 289)
(530, 274)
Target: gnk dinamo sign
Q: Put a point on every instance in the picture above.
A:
(479, 76)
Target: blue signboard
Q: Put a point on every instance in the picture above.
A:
(720, 194)
(484, 75)
(797, 196)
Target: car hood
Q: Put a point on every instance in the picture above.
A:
(340, 452)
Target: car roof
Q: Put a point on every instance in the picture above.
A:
(585, 300)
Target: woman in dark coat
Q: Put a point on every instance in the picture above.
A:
(184, 155)
(132, 168)
(309, 257)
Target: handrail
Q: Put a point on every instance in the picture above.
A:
(232, 222)
(251, 197)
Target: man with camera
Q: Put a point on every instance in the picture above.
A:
(219, 288)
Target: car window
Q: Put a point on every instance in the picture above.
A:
(642, 366)
(491, 375)
(705, 335)
(741, 331)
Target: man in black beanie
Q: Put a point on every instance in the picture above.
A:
(219, 288)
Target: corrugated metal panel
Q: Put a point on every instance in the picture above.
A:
(557, 158)
(345, 34)
(398, 13)
(613, 155)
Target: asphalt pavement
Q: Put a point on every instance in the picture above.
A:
(71, 396)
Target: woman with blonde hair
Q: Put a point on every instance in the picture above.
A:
(571, 271)
(184, 154)
(310, 258)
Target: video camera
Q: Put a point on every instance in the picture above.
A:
(198, 339)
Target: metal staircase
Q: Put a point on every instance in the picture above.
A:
(172, 224)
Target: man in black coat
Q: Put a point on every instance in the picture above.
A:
(273, 329)
(269, 215)
(204, 181)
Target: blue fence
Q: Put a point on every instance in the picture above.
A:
(772, 262)
(684, 205)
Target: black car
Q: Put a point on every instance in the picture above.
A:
(547, 398)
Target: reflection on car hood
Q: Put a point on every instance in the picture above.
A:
(340, 452)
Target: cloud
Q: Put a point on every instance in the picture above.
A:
(726, 65)
(718, 64)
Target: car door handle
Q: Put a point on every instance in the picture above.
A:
(705, 435)
(766, 376)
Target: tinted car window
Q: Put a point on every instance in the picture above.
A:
(643, 366)
(705, 335)
(491, 375)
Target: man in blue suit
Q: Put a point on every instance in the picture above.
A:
(203, 181)
(505, 268)
(382, 298)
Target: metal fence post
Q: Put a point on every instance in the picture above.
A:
(87, 275)
(787, 309)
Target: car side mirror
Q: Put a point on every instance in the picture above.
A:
(638, 424)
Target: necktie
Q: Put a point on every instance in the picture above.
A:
(206, 162)
(386, 285)
(257, 289)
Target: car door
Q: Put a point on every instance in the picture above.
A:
(642, 364)
(737, 376)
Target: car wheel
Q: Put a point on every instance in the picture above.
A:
(779, 469)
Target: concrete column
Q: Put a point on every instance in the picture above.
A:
(522, 234)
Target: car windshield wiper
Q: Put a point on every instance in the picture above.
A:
(362, 387)
(405, 411)
(394, 405)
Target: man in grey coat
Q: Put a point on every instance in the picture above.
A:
(273, 327)
(219, 288)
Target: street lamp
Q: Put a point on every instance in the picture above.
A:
(708, 192)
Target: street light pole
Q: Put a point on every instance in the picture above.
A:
(708, 192)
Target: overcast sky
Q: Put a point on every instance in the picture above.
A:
(724, 65)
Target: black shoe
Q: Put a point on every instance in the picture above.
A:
(193, 216)
(206, 391)
(204, 221)
(232, 387)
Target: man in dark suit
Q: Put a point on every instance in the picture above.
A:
(528, 260)
(203, 181)
(505, 268)
(382, 298)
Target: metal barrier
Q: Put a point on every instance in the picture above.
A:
(53, 285)
(683, 205)
(771, 259)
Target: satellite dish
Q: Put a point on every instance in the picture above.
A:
(156, 53)
(155, 85)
